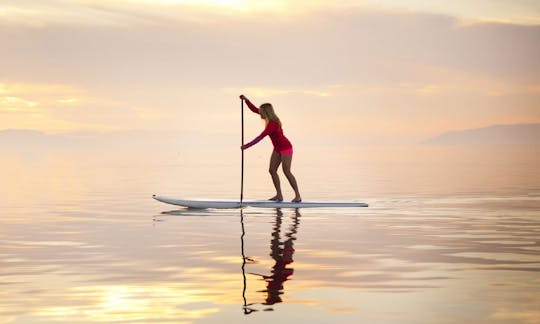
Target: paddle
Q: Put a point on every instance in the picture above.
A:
(242, 176)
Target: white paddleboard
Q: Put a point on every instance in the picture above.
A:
(258, 203)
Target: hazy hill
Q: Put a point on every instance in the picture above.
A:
(497, 134)
(23, 140)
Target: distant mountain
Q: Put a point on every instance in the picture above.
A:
(8, 134)
(24, 140)
(497, 134)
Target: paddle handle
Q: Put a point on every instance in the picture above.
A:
(242, 172)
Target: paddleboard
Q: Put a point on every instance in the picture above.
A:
(257, 203)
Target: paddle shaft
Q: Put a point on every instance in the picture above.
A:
(242, 173)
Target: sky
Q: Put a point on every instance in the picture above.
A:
(350, 69)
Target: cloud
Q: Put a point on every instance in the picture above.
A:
(56, 107)
(11, 104)
(119, 12)
(179, 66)
(321, 48)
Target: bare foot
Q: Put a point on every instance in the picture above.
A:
(297, 200)
(276, 198)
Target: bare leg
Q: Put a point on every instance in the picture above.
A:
(287, 161)
(275, 161)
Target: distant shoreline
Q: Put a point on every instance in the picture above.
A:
(495, 134)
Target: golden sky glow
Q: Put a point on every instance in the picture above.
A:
(415, 67)
(523, 11)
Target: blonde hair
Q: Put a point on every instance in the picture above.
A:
(267, 112)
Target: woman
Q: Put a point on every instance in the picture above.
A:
(282, 153)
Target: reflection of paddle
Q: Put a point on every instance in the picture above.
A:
(247, 310)
(256, 274)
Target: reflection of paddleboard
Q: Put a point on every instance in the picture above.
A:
(258, 203)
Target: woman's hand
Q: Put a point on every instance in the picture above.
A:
(243, 97)
(243, 147)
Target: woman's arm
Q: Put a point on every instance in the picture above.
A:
(251, 106)
(271, 127)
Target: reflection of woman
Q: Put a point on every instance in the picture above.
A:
(282, 253)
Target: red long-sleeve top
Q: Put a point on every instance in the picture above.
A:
(273, 129)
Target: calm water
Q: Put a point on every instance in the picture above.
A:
(452, 235)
